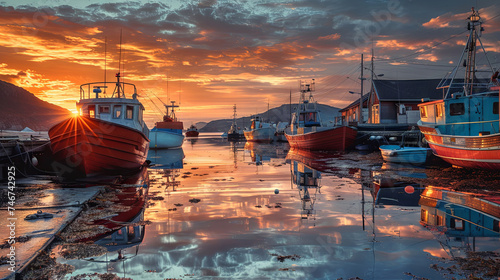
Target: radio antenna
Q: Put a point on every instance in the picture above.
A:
(105, 61)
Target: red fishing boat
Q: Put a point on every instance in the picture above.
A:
(307, 130)
(463, 128)
(192, 131)
(108, 136)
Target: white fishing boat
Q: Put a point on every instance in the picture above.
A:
(168, 133)
(260, 131)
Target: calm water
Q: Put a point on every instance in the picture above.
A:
(230, 211)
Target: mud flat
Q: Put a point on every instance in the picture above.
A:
(25, 239)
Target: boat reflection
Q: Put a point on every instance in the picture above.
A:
(129, 200)
(308, 182)
(125, 237)
(315, 159)
(260, 152)
(191, 141)
(388, 191)
(456, 217)
(166, 158)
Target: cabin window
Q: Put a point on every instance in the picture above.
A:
(457, 109)
(457, 224)
(495, 108)
(310, 117)
(439, 110)
(92, 111)
(129, 113)
(439, 221)
(103, 109)
(117, 111)
(496, 225)
(140, 115)
(423, 112)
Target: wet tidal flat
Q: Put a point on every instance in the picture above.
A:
(220, 210)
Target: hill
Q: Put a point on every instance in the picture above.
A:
(19, 109)
(274, 115)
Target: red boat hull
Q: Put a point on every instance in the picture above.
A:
(486, 159)
(85, 146)
(192, 133)
(465, 151)
(334, 139)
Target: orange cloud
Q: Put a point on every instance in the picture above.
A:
(445, 20)
(330, 37)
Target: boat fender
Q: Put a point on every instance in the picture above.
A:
(34, 161)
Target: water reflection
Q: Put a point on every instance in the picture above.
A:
(459, 220)
(264, 152)
(166, 158)
(388, 191)
(314, 159)
(167, 163)
(129, 199)
(226, 221)
(308, 182)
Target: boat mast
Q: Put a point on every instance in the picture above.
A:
(473, 25)
(360, 118)
(172, 112)
(234, 116)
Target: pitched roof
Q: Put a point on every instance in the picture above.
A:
(407, 90)
(355, 103)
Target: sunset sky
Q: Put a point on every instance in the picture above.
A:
(211, 54)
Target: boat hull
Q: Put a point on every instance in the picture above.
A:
(192, 133)
(85, 147)
(465, 151)
(334, 139)
(262, 135)
(409, 155)
(165, 139)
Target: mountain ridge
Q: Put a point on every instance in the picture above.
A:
(274, 115)
(20, 108)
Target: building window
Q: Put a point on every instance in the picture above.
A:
(103, 109)
(117, 111)
(92, 111)
(130, 112)
(495, 108)
(457, 109)
(375, 114)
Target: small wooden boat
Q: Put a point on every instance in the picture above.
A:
(307, 131)
(410, 155)
(109, 135)
(167, 133)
